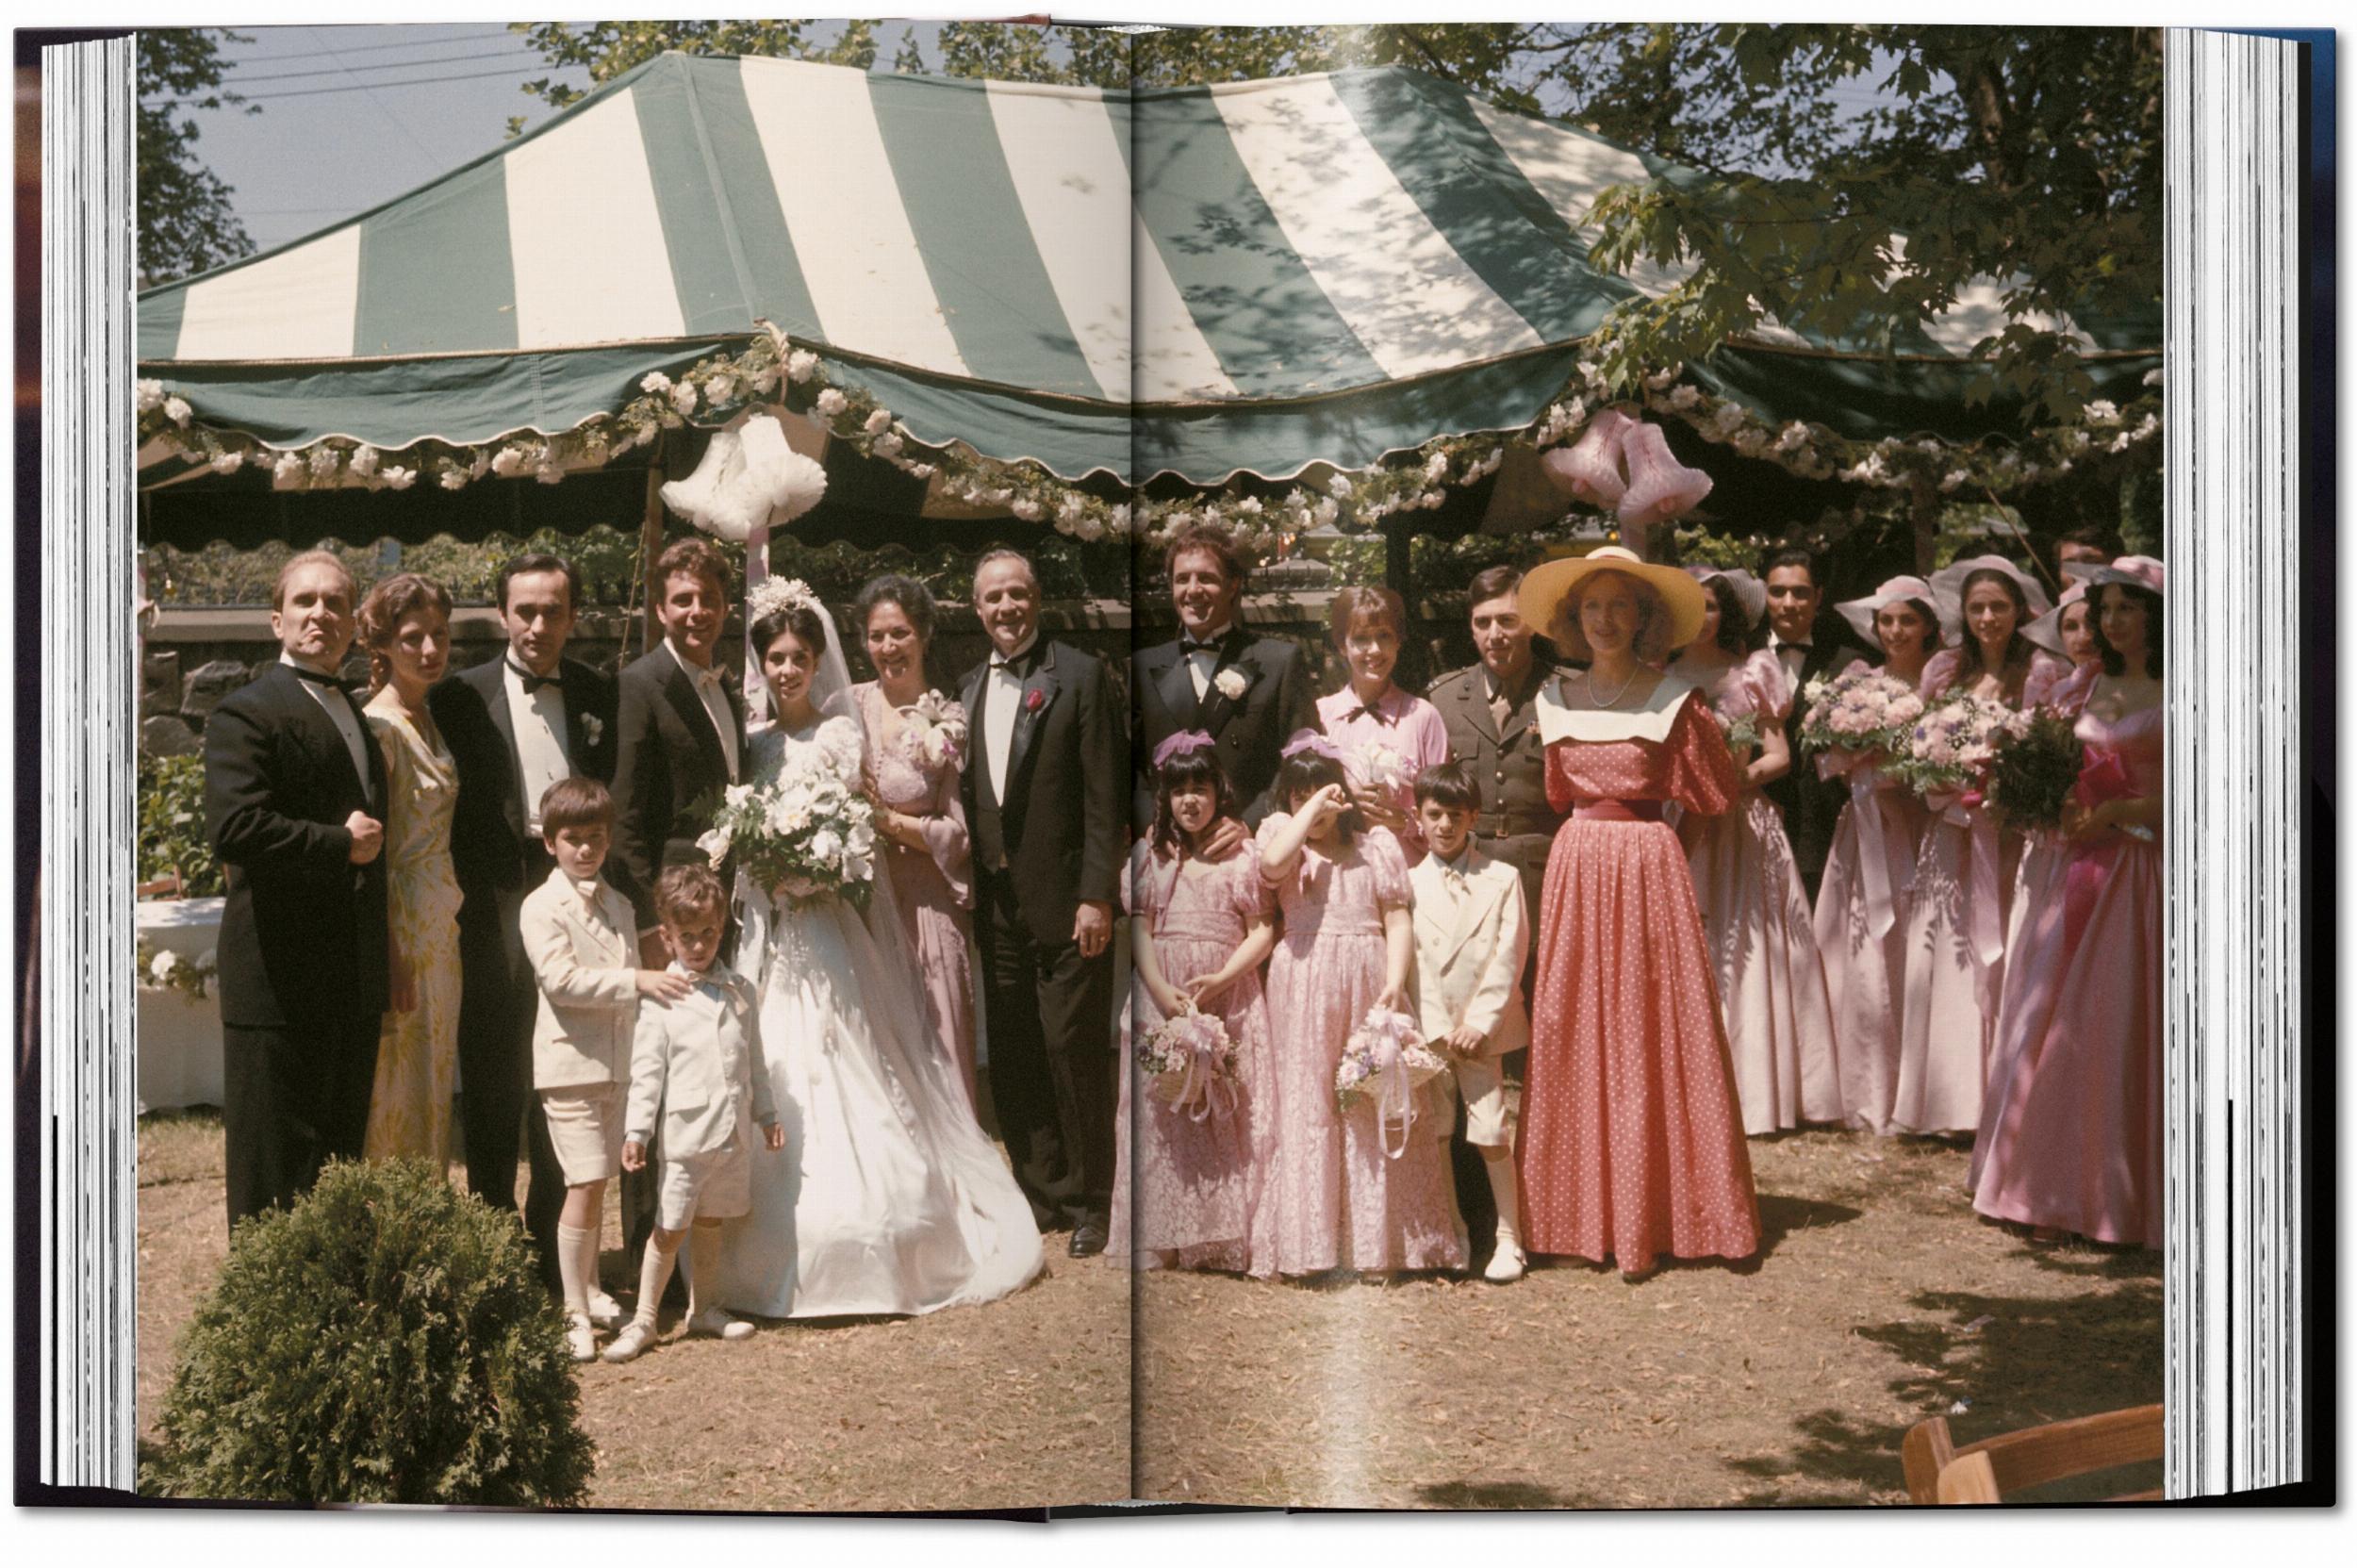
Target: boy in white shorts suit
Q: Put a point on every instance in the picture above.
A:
(582, 940)
(1471, 936)
(697, 1066)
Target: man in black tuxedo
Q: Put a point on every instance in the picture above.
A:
(679, 740)
(1249, 694)
(1043, 794)
(1807, 643)
(515, 724)
(294, 799)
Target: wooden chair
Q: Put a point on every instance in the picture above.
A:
(1985, 1471)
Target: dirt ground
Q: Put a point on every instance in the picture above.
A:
(1880, 1299)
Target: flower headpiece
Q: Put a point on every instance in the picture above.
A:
(772, 594)
(1312, 742)
(1180, 745)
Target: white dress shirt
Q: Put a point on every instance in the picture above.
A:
(712, 688)
(337, 707)
(538, 721)
(1792, 655)
(1203, 662)
(1006, 697)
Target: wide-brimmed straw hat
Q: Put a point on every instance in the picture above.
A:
(1547, 586)
(2137, 571)
(1749, 592)
(1859, 613)
(1949, 584)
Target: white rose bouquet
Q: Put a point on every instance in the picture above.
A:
(805, 831)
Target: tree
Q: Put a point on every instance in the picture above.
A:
(186, 222)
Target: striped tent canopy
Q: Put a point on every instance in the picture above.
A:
(1244, 279)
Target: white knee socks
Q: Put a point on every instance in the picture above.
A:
(573, 1250)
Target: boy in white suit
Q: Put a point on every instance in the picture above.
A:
(1470, 941)
(696, 1067)
(582, 940)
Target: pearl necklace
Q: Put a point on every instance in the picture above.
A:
(1588, 676)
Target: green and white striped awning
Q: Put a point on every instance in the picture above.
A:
(1249, 277)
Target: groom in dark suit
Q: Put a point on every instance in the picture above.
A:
(294, 802)
(1249, 694)
(515, 724)
(678, 738)
(1807, 643)
(1043, 794)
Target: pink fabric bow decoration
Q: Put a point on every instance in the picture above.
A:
(1589, 469)
(1180, 745)
(1660, 488)
(1312, 742)
(2105, 777)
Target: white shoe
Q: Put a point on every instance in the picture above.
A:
(712, 1323)
(1506, 1265)
(635, 1337)
(581, 1339)
(605, 1310)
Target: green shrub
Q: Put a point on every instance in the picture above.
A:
(387, 1340)
(172, 825)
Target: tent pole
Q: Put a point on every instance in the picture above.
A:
(651, 539)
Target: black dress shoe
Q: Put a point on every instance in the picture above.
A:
(1088, 1238)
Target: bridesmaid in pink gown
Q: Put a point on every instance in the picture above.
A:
(1200, 932)
(1632, 1140)
(1755, 916)
(1371, 712)
(1966, 864)
(1332, 1197)
(914, 750)
(2071, 1141)
(1868, 889)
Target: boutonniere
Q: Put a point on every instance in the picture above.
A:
(1034, 700)
(594, 727)
(1233, 682)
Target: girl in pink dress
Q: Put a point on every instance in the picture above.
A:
(1632, 1139)
(916, 747)
(1868, 894)
(2071, 1141)
(1755, 916)
(1332, 1195)
(1385, 737)
(1966, 864)
(1199, 930)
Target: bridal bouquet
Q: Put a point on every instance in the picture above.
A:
(804, 832)
(1950, 749)
(2036, 765)
(935, 735)
(1386, 1061)
(1190, 1062)
(1862, 711)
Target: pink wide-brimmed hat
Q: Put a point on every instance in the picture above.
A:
(1949, 584)
(1859, 613)
(2046, 631)
(1749, 592)
(2137, 571)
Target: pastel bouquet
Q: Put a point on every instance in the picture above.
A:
(2036, 766)
(1386, 1061)
(935, 733)
(805, 831)
(1190, 1062)
(1742, 731)
(1375, 766)
(1863, 710)
(1947, 752)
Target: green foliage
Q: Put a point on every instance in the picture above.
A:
(173, 841)
(186, 224)
(386, 1340)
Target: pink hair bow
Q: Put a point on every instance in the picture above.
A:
(1180, 744)
(1314, 742)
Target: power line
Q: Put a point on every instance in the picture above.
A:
(236, 82)
(357, 87)
(365, 48)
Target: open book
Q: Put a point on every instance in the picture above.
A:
(1133, 982)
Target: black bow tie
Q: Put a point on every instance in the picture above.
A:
(534, 683)
(1795, 646)
(1200, 645)
(306, 673)
(1379, 716)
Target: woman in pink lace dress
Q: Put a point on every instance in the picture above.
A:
(1755, 916)
(1199, 930)
(2071, 1141)
(1385, 737)
(916, 747)
(1967, 864)
(1332, 1197)
(1868, 891)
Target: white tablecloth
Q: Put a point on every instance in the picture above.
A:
(179, 1045)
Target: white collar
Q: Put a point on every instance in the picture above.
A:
(290, 660)
(998, 659)
(1560, 720)
(696, 673)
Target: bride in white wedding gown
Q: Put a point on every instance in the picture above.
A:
(888, 1198)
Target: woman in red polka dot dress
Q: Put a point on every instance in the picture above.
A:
(1632, 1138)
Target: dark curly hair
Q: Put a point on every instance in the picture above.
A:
(1735, 635)
(915, 599)
(2115, 663)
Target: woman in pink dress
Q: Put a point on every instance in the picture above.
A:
(1332, 1195)
(1869, 890)
(916, 747)
(1632, 1142)
(1755, 916)
(1967, 863)
(1199, 930)
(1387, 738)
(2072, 1138)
